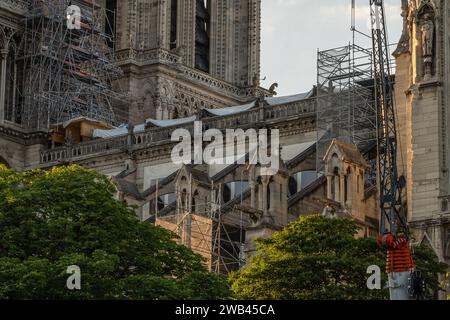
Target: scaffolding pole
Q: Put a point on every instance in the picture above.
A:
(66, 73)
(345, 101)
(205, 231)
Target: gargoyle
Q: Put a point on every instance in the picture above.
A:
(273, 87)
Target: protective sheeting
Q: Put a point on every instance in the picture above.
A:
(120, 131)
(231, 110)
(274, 101)
(171, 123)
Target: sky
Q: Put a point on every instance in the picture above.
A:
(293, 31)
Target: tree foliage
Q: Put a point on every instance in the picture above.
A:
(320, 258)
(50, 220)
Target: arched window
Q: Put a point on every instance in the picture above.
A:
(226, 194)
(184, 204)
(110, 22)
(335, 187)
(173, 24)
(194, 205)
(202, 26)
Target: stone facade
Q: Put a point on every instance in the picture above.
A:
(161, 75)
(422, 96)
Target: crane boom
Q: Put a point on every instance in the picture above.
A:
(404, 280)
(393, 219)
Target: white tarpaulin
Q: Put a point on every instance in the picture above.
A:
(120, 131)
(231, 110)
(171, 123)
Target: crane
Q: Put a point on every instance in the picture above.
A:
(404, 280)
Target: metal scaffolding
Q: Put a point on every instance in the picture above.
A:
(66, 73)
(217, 236)
(345, 108)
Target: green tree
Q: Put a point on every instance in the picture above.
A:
(50, 220)
(319, 258)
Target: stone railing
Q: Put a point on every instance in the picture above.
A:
(66, 153)
(254, 117)
(161, 56)
(150, 56)
(291, 109)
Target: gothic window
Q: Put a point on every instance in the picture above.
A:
(194, 207)
(226, 194)
(292, 186)
(184, 199)
(335, 185)
(202, 25)
(346, 187)
(173, 24)
(110, 21)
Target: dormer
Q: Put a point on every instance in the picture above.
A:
(345, 168)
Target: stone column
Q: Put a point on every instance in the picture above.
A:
(342, 189)
(329, 186)
(3, 57)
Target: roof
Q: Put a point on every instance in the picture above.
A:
(220, 112)
(349, 152)
(81, 119)
(128, 188)
(302, 156)
(198, 175)
(274, 101)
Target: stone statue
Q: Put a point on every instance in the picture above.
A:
(273, 87)
(427, 29)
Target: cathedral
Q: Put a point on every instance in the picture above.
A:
(108, 96)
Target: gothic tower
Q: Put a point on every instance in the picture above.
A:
(183, 55)
(423, 105)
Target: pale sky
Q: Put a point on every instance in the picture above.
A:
(293, 31)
